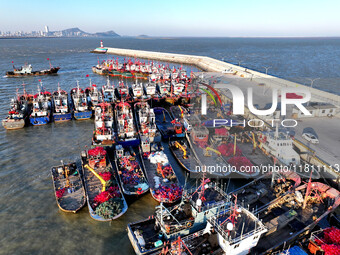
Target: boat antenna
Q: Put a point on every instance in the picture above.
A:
(49, 61)
(77, 88)
(308, 190)
(233, 216)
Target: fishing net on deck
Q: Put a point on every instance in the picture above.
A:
(330, 242)
(228, 150)
(98, 151)
(243, 162)
(221, 132)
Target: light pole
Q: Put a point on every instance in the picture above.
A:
(312, 81)
(267, 67)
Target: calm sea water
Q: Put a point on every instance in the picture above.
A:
(30, 222)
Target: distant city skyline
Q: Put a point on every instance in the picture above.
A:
(220, 18)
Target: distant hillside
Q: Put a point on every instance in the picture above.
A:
(76, 32)
(110, 33)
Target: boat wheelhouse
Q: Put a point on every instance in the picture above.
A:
(93, 95)
(138, 91)
(150, 89)
(178, 88)
(232, 230)
(164, 88)
(108, 92)
(279, 145)
(190, 215)
(123, 92)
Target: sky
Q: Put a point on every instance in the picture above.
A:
(214, 18)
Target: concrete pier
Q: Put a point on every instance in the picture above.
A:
(213, 65)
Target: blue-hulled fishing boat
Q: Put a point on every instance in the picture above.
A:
(61, 106)
(81, 107)
(42, 106)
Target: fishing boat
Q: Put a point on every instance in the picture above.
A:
(94, 96)
(68, 187)
(148, 236)
(108, 92)
(42, 108)
(184, 155)
(100, 69)
(18, 113)
(81, 107)
(127, 134)
(295, 214)
(103, 134)
(231, 230)
(130, 174)
(105, 199)
(166, 125)
(123, 92)
(137, 91)
(164, 185)
(203, 149)
(146, 122)
(61, 106)
(27, 70)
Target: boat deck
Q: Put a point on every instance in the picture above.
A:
(155, 180)
(211, 196)
(190, 162)
(70, 201)
(209, 164)
(286, 229)
(165, 127)
(259, 193)
(202, 244)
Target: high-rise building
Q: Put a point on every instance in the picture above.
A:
(47, 30)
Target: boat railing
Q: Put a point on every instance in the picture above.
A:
(259, 227)
(315, 235)
(193, 236)
(210, 205)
